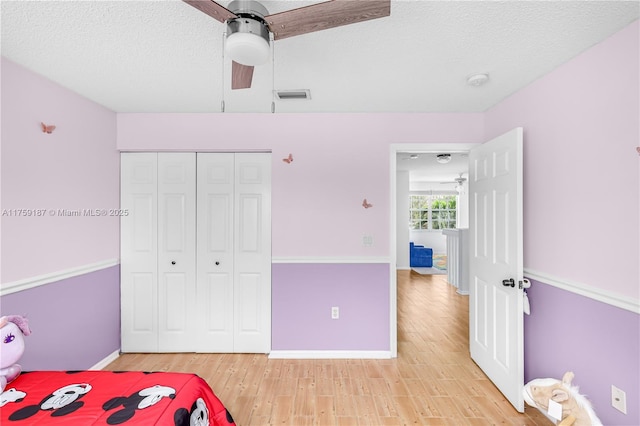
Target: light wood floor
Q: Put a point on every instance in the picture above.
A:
(431, 382)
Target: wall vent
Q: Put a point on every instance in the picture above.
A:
(291, 95)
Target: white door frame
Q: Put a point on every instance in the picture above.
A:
(394, 149)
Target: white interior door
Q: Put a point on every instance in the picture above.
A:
(216, 189)
(176, 251)
(252, 253)
(496, 265)
(139, 252)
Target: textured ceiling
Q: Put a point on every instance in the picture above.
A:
(166, 56)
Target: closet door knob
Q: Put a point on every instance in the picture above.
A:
(173, 262)
(217, 263)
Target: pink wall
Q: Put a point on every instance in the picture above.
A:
(339, 159)
(75, 167)
(581, 187)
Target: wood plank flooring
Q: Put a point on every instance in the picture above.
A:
(432, 381)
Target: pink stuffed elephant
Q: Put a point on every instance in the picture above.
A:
(13, 328)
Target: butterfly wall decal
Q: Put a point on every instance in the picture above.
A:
(638, 149)
(366, 204)
(47, 128)
(289, 159)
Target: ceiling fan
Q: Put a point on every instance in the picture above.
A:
(458, 181)
(249, 25)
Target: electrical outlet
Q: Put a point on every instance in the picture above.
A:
(619, 399)
(335, 312)
(367, 240)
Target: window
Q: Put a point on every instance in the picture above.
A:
(432, 211)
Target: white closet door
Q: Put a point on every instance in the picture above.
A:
(182, 293)
(215, 252)
(176, 251)
(138, 252)
(252, 252)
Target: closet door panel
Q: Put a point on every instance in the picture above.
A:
(176, 255)
(138, 252)
(217, 294)
(249, 307)
(215, 258)
(142, 226)
(141, 285)
(249, 223)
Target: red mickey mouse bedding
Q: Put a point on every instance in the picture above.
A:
(111, 398)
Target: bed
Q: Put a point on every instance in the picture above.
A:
(111, 398)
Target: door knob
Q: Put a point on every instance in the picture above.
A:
(173, 262)
(509, 283)
(217, 263)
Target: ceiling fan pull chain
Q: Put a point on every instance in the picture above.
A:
(273, 73)
(224, 38)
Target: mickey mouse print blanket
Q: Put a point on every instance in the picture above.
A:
(111, 398)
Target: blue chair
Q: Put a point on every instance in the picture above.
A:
(420, 256)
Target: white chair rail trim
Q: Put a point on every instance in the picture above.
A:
(609, 297)
(27, 283)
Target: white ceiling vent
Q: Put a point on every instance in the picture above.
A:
(293, 95)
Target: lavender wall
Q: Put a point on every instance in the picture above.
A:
(598, 342)
(581, 128)
(303, 295)
(74, 322)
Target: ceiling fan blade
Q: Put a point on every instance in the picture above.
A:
(212, 9)
(241, 76)
(322, 16)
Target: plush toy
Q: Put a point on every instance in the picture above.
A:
(573, 409)
(13, 328)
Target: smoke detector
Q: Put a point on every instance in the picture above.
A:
(478, 80)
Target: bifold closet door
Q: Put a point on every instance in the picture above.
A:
(215, 252)
(234, 252)
(139, 252)
(158, 288)
(176, 251)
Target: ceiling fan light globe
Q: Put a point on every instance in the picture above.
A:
(247, 41)
(247, 49)
(443, 158)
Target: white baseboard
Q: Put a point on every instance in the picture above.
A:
(330, 355)
(106, 361)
